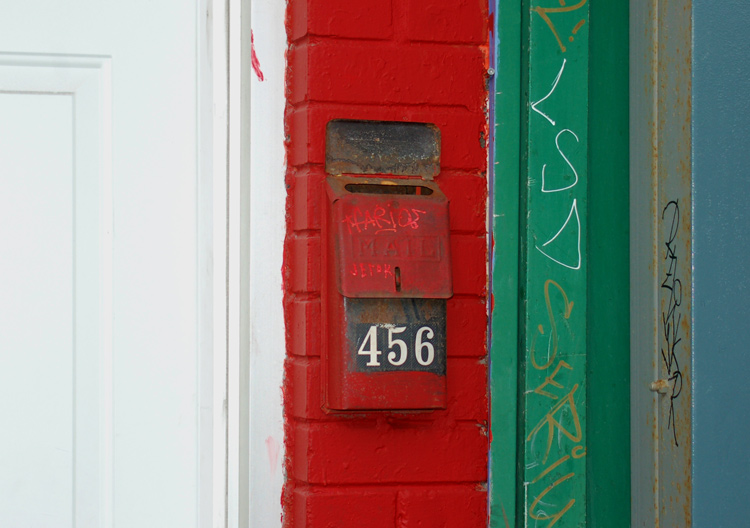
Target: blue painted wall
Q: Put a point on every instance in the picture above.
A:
(721, 178)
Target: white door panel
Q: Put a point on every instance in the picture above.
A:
(98, 173)
(53, 278)
(36, 329)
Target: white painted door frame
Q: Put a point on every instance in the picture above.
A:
(241, 222)
(218, 326)
(218, 281)
(212, 258)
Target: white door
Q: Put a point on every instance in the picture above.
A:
(101, 372)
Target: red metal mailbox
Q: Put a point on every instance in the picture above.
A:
(386, 275)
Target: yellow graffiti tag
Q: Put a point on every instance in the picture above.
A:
(543, 13)
(553, 423)
(550, 380)
(556, 517)
(553, 324)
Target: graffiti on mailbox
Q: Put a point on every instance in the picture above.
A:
(382, 219)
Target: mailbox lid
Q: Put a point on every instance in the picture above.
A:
(391, 237)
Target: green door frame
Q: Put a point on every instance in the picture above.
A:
(560, 449)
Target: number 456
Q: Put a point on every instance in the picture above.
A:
(423, 349)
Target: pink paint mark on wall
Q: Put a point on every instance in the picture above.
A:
(272, 446)
(254, 58)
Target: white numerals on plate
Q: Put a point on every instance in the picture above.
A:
(423, 349)
(373, 352)
(420, 346)
(397, 342)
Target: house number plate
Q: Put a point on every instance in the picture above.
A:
(396, 335)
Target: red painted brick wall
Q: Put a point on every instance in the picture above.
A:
(405, 60)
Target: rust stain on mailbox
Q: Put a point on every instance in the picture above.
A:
(387, 275)
(382, 147)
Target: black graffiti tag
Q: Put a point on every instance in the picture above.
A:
(671, 316)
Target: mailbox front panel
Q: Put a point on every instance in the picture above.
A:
(386, 277)
(390, 244)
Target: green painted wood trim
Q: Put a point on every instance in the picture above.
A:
(580, 395)
(608, 372)
(505, 260)
(555, 259)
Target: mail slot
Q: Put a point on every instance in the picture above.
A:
(386, 277)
